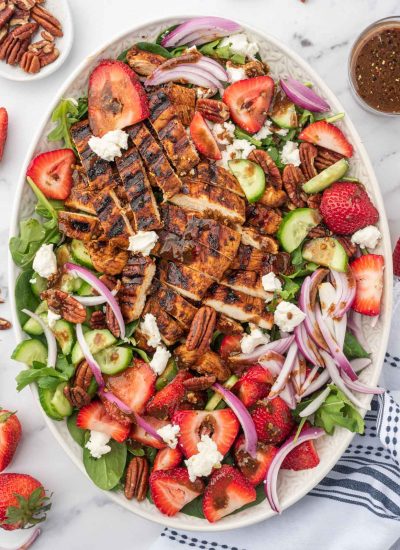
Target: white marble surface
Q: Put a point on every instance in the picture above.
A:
(322, 31)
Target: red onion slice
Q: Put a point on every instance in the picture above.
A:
(309, 379)
(189, 74)
(338, 380)
(89, 301)
(283, 376)
(271, 479)
(360, 387)
(314, 385)
(288, 395)
(27, 544)
(104, 392)
(354, 323)
(272, 361)
(306, 345)
(214, 67)
(200, 30)
(101, 288)
(345, 292)
(303, 96)
(315, 403)
(305, 305)
(243, 415)
(50, 338)
(88, 356)
(280, 346)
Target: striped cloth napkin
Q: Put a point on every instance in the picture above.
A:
(356, 506)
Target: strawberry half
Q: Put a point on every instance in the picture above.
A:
(368, 272)
(94, 417)
(140, 435)
(203, 138)
(254, 469)
(167, 400)
(227, 491)
(23, 502)
(116, 98)
(254, 385)
(248, 101)
(303, 457)
(10, 434)
(3, 130)
(396, 259)
(134, 386)
(52, 173)
(171, 490)
(273, 420)
(229, 344)
(327, 135)
(222, 426)
(167, 458)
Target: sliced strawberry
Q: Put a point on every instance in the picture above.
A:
(229, 344)
(303, 457)
(140, 435)
(368, 272)
(227, 491)
(116, 98)
(248, 101)
(94, 417)
(327, 135)
(396, 259)
(167, 458)
(254, 469)
(203, 138)
(52, 173)
(10, 434)
(134, 386)
(167, 400)
(171, 490)
(273, 420)
(222, 426)
(254, 385)
(3, 129)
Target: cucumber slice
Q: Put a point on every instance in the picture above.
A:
(65, 335)
(45, 397)
(29, 351)
(250, 176)
(114, 359)
(32, 326)
(284, 112)
(69, 283)
(171, 370)
(326, 251)
(325, 178)
(295, 226)
(97, 340)
(85, 289)
(60, 403)
(80, 253)
(63, 255)
(39, 285)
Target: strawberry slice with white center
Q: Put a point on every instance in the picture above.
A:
(248, 101)
(116, 98)
(221, 426)
(172, 489)
(139, 434)
(52, 173)
(327, 135)
(203, 139)
(368, 272)
(167, 458)
(95, 417)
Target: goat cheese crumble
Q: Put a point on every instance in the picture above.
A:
(45, 262)
(169, 435)
(287, 316)
(97, 444)
(290, 153)
(52, 318)
(160, 359)
(208, 457)
(367, 237)
(249, 342)
(239, 44)
(235, 73)
(150, 329)
(270, 282)
(224, 133)
(109, 146)
(143, 241)
(263, 133)
(239, 149)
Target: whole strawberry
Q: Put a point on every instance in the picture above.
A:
(22, 501)
(273, 420)
(346, 208)
(10, 434)
(396, 259)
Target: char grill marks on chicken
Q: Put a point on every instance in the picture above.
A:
(171, 331)
(77, 226)
(81, 198)
(136, 278)
(211, 173)
(183, 100)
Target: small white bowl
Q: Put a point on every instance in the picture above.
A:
(61, 10)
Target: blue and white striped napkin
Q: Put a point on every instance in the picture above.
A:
(355, 507)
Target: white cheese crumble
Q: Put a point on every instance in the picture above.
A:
(160, 360)
(239, 149)
(367, 237)
(239, 44)
(150, 329)
(270, 282)
(45, 262)
(281, 132)
(52, 318)
(224, 133)
(249, 342)
(287, 316)
(263, 133)
(208, 457)
(109, 146)
(169, 435)
(33, 280)
(143, 241)
(97, 444)
(235, 73)
(290, 153)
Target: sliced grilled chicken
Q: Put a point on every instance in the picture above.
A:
(113, 220)
(77, 226)
(183, 101)
(266, 220)
(157, 165)
(171, 331)
(174, 304)
(211, 173)
(138, 191)
(99, 171)
(136, 279)
(187, 282)
(107, 256)
(214, 201)
(174, 218)
(239, 306)
(248, 258)
(252, 237)
(143, 63)
(226, 325)
(248, 282)
(81, 198)
(171, 132)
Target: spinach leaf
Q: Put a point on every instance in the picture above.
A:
(27, 376)
(131, 327)
(24, 297)
(352, 347)
(241, 134)
(106, 471)
(154, 48)
(77, 434)
(142, 354)
(164, 33)
(67, 112)
(122, 55)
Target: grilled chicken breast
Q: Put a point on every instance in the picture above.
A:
(107, 256)
(81, 198)
(77, 226)
(99, 171)
(142, 62)
(171, 331)
(211, 173)
(113, 220)
(183, 100)
(248, 282)
(136, 279)
(187, 282)
(159, 170)
(248, 259)
(174, 304)
(266, 220)
(252, 237)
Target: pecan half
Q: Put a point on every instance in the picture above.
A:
(83, 375)
(199, 383)
(30, 62)
(326, 158)
(46, 20)
(65, 305)
(20, 17)
(4, 324)
(112, 323)
(318, 232)
(251, 68)
(212, 109)
(12, 49)
(97, 320)
(211, 363)
(25, 4)
(349, 247)
(293, 181)
(314, 200)
(201, 329)
(137, 478)
(277, 263)
(308, 153)
(77, 396)
(6, 14)
(268, 165)
(46, 57)
(25, 31)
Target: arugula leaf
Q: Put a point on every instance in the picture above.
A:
(67, 112)
(306, 117)
(289, 289)
(241, 134)
(154, 48)
(297, 256)
(106, 471)
(352, 347)
(142, 354)
(212, 49)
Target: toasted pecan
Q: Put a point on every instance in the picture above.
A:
(77, 396)
(65, 305)
(201, 329)
(4, 324)
(326, 158)
(349, 247)
(199, 383)
(308, 153)
(112, 323)
(137, 478)
(211, 363)
(269, 167)
(6, 14)
(97, 320)
(293, 181)
(46, 20)
(213, 109)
